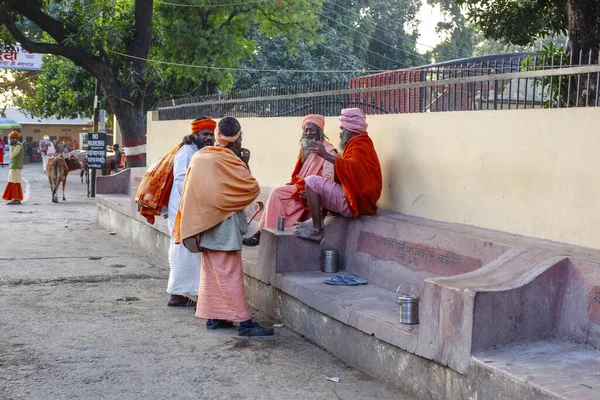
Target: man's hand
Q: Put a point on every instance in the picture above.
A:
(245, 155)
(317, 147)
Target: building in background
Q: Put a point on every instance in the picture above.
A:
(33, 129)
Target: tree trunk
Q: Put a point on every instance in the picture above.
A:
(584, 29)
(130, 117)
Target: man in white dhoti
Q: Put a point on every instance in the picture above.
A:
(184, 275)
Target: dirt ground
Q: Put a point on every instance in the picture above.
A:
(83, 315)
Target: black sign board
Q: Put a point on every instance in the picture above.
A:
(96, 156)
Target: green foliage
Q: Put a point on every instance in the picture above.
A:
(519, 22)
(202, 34)
(63, 90)
(364, 36)
(555, 89)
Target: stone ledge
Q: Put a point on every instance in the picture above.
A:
(368, 308)
(560, 369)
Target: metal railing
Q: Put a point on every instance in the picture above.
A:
(520, 83)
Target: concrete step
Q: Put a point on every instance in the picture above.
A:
(369, 308)
(561, 369)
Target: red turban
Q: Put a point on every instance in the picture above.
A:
(316, 119)
(202, 124)
(14, 135)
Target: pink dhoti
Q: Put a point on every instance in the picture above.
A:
(332, 194)
(221, 294)
(281, 204)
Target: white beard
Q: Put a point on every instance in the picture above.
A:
(304, 145)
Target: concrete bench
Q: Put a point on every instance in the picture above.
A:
(481, 290)
(501, 316)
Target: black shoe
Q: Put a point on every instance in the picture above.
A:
(185, 303)
(255, 330)
(212, 324)
(252, 241)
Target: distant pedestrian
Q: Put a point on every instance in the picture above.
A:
(13, 192)
(2, 144)
(116, 162)
(46, 151)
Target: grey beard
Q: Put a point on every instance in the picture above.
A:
(304, 144)
(344, 141)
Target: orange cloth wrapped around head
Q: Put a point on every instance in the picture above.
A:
(222, 140)
(202, 124)
(14, 135)
(316, 119)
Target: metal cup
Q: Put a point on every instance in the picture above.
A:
(280, 223)
(330, 260)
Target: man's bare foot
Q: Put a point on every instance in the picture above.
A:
(309, 233)
(305, 224)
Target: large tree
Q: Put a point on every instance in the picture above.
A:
(86, 34)
(522, 22)
(113, 40)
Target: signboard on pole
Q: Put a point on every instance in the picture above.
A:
(20, 59)
(96, 150)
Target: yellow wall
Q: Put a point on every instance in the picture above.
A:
(530, 172)
(50, 130)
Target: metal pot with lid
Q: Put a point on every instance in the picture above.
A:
(409, 306)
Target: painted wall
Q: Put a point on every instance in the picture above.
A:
(529, 172)
(37, 132)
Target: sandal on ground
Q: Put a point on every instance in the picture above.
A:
(340, 281)
(212, 324)
(355, 278)
(186, 303)
(346, 280)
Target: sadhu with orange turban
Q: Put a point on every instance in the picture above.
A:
(13, 191)
(288, 200)
(162, 185)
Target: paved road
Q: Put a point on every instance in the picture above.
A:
(83, 315)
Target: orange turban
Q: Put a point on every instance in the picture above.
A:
(202, 124)
(14, 135)
(222, 140)
(316, 119)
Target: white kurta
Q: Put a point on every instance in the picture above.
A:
(184, 275)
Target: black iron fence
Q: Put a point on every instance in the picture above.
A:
(500, 84)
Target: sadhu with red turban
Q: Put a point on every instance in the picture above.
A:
(288, 200)
(358, 181)
(13, 191)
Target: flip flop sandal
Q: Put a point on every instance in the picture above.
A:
(356, 279)
(188, 303)
(340, 281)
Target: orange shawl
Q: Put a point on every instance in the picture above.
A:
(217, 185)
(155, 188)
(359, 172)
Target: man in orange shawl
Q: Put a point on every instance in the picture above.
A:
(217, 189)
(14, 191)
(287, 200)
(358, 180)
